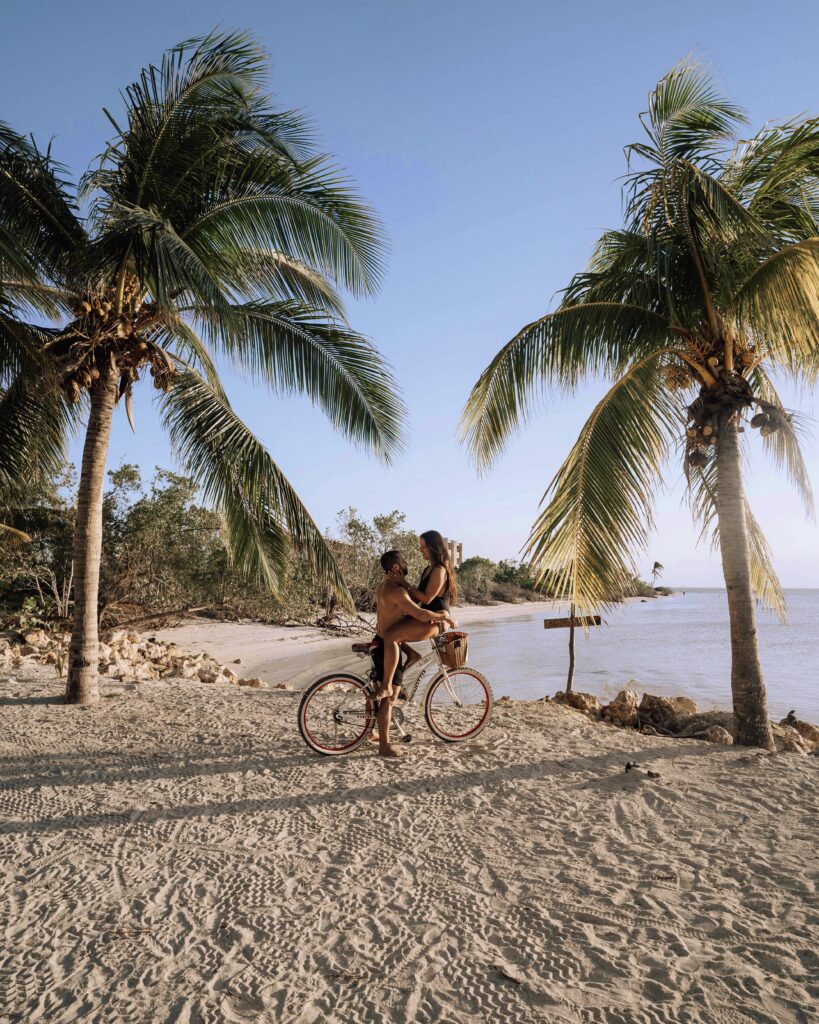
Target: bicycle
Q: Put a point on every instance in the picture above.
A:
(337, 711)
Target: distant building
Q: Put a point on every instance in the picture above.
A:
(456, 551)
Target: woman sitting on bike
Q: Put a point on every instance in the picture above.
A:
(436, 590)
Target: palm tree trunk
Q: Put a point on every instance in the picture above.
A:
(83, 657)
(752, 728)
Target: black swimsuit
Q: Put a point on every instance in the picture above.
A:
(439, 603)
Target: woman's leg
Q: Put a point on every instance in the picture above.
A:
(406, 631)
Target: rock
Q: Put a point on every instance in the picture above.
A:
(27, 650)
(648, 730)
(35, 637)
(716, 734)
(254, 684)
(237, 661)
(697, 725)
(585, 702)
(188, 671)
(206, 675)
(284, 686)
(658, 712)
(622, 710)
(683, 706)
(808, 732)
(788, 740)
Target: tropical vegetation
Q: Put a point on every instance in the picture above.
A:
(210, 231)
(692, 310)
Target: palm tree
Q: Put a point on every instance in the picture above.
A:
(710, 288)
(210, 228)
(656, 571)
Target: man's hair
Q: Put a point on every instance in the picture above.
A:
(389, 559)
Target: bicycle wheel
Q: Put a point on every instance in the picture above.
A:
(336, 714)
(457, 704)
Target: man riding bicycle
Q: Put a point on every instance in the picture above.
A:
(394, 606)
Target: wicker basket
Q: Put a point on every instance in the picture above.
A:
(453, 647)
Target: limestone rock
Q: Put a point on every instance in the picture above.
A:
(697, 725)
(622, 710)
(716, 734)
(585, 702)
(254, 684)
(284, 686)
(684, 706)
(788, 740)
(808, 732)
(35, 637)
(658, 712)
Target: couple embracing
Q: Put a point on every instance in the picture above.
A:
(407, 614)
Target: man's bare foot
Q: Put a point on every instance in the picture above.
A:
(412, 658)
(389, 752)
(382, 693)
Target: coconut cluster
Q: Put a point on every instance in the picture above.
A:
(109, 330)
(730, 394)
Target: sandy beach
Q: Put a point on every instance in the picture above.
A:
(175, 854)
(291, 654)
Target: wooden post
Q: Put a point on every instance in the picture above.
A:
(570, 678)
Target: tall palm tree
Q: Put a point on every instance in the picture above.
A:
(210, 227)
(709, 289)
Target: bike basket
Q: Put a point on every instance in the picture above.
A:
(453, 647)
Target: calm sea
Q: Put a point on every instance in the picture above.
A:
(673, 645)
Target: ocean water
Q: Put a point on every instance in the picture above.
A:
(672, 645)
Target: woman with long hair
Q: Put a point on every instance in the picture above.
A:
(437, 590)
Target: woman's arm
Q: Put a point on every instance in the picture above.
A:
(435, 586)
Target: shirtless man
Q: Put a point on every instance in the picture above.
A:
(393, 605)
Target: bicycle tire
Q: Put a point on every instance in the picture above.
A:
(443, 719)
(311, 717)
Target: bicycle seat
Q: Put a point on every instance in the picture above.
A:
(365, 648)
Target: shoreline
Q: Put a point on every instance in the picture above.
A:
(280, 654)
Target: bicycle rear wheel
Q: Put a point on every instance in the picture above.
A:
(457, 704)
(336, 714)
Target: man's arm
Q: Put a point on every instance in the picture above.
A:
(401, 599)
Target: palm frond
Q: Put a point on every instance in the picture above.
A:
(293, 349)
(599, 507)
(783, 445)
(778, 303)
(311, 213)
(264, 519)
(39, 228)
(764, 580)
(688, 117)
(35, 422)
(557, 351)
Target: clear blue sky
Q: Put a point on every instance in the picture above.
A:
(489, 138)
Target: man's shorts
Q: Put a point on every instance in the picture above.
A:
(378, 663)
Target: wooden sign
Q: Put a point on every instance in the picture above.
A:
(577, 620)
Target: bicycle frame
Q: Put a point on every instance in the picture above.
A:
(423, 666)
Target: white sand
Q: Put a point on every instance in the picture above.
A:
(175, 854)
(280, 654)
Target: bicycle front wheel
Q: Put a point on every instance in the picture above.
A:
(336, 714)
(457, 704)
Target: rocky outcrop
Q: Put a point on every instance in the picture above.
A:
(808, 732)
(124, 656)
(622, 710)
(586, 702)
